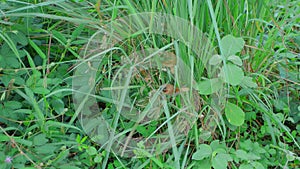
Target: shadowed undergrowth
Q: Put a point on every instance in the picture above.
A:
(228, 100)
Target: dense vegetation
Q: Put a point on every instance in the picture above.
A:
(82, 85)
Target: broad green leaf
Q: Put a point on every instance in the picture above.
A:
(18, 140)
(247, 81)
(288, 55)
(235, 60)
(247, 145)
(253, 156)
(258, 149)
(241, 154)
(203, 164)
(215, 60)
(280, 105)
(12, 36)
(45, 149)
(234, 114)
(29, 95)
(14, 105)
(98, 158)
(6, 80)
(205, 135)
(54, 81)
(257, 165)
(5, 50)
(22, 53)
(18, 37)
(67, 166)
(62, 156)
(40, 140)
(204, 151)
(21, 38)
(219, 150)
(220, 161)
(209, 86)
(91, 150)
(273, 151)
(231, 45)
(146, 130)
(40, 90)
(245, 166)
(233, 75)
(216, 146)
(58, 105)
(33, 79)
(2, 63)
(12, 62)
(7, 57)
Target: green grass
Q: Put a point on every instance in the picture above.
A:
(240, 111)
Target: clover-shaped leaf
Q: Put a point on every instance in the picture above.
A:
(231, 45)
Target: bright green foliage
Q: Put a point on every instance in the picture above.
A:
(234, 114)
(254, 68)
